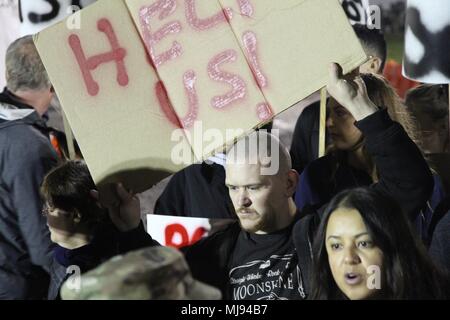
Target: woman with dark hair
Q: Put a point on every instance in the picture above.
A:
(85, 233)
(367, 147)
(365, 248)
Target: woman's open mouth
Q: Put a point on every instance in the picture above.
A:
(352, 278)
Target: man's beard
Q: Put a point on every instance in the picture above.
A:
(264, 223)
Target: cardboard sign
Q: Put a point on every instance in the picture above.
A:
(106, 87)
(289, 45)
(427, 33)
(229, 64)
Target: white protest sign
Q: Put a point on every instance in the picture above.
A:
(177, 231)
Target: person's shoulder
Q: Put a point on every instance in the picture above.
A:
(24, 142)
(313, 108)
(310, 113)
(196, 167)
(182, 175)
(230, 231)
(201, 173)
(443, 225)
(215, 246)
(319, 165)
(24, 132)
(225, 237)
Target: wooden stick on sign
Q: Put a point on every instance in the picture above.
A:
(323, 119)
(69, 137)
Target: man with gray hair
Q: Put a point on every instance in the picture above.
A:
(26, 155)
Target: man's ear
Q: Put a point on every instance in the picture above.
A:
(292, 182)
(375, 65)
(76, 216)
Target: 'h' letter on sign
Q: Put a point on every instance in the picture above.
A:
(117, 54)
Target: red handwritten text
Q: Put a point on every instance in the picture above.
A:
(236, 82)
(117, 54)
(166, 7)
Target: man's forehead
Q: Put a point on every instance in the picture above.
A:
(243, 173)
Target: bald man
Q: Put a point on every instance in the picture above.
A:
(261, 183)
(255, 258)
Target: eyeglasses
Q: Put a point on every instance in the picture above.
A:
(48, 210)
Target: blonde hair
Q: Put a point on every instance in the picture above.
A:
(384, 96)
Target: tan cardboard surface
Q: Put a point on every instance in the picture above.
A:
(204, 38)
(230, 64)
(295, 42)
(121, 128)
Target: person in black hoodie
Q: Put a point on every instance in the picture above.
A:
(26, 155)
(85, 233)
(363, 148)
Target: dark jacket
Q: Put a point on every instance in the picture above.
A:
(107, 243)
(439, 233)
(305, 140)
(402, 170)
(26, 155)
(199, 190)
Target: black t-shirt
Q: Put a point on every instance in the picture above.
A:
(265, 267)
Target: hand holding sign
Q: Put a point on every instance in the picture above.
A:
(126, 213)
(350, 92)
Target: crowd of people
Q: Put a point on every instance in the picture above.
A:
(369, 220)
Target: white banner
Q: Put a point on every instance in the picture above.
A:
(427, 36)
(358, 11)
(177, 231)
